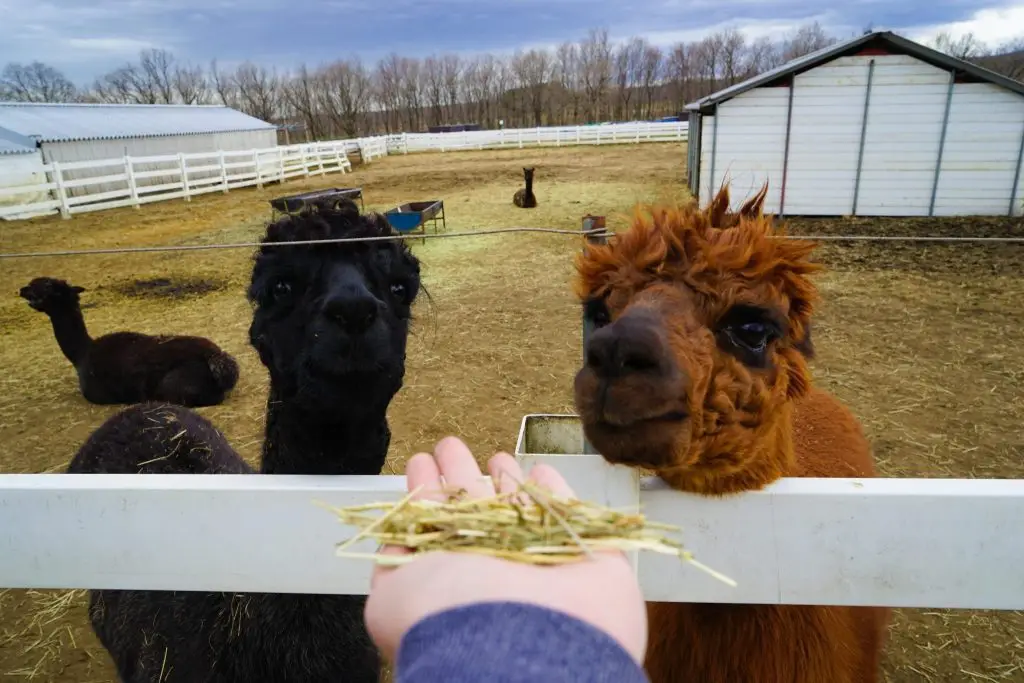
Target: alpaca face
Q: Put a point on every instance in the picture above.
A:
(700, 344)
(331, 322)
(50, 295)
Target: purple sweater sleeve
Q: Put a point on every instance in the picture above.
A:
(508, 642)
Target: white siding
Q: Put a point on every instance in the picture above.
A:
(828, 107)
(87, 150)
(982, 143)
(901, 143)
(22, 169)
(707, 134)
(751, 146)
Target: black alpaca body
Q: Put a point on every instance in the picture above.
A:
(524, 198)
(131, 367)
(330, 325)
(198, 637)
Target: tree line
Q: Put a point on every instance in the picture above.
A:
(589, 80)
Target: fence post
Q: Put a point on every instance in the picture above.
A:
(184, 176)
(591, 223)
(305, 160)
(133, 190)
(577, 135)
(223, 172)
(520, 132)
(62, 193)
(256, 167)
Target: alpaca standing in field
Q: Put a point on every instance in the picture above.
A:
(131, 367)
(524, 197)
(330, 324)
(698, 370)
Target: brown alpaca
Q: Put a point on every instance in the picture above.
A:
(697, 370)
(524, 197)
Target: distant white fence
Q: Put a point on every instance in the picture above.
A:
(930, 543)
(548, 136)
(78, 187)
(174, 176)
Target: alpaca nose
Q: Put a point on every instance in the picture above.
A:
(354, 313)
(627, 346)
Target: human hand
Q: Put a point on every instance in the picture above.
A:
(602, 592)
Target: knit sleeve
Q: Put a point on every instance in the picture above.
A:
(508, 642)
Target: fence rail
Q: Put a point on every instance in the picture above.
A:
(81, 186)
(933, 543)
(549, 136)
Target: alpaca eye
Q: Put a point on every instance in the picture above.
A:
(282, 288)
(753, 335)
(597, 312)
(398, 290)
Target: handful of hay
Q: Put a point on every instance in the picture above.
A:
(536, 528)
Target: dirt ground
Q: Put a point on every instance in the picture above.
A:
(921, 340)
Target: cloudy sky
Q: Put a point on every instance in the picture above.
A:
(85, 38)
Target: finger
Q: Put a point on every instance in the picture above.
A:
(459, 469)
(549, 478)
(506, 474)
(421, 471)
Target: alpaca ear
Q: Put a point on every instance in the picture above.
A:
(77, 290)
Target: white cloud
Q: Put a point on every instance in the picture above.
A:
(992, 26)
(128, 46)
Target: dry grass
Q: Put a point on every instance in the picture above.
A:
(921, 341)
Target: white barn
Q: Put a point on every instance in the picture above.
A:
(20, 165)
(90, 132)
(877, 125)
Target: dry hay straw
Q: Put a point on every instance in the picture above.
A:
(530, 525)
(43, 638)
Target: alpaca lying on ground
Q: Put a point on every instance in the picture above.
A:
(524, 197)
(330, 325)
(698, 370)
(130, 367)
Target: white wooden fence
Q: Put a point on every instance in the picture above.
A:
(81, 186)
(548, 136)
(930, 543)
(77, 187)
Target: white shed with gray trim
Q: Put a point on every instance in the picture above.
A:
(878, 125)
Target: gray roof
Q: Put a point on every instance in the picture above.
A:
(12, 143)
(840, 49)
(66, 122)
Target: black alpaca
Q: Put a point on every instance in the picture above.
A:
(330, 324)
(524, 197)
(130, 367)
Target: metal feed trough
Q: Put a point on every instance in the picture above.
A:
(413, 216)
(295, 202)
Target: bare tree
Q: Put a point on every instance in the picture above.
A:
(680, 74)
(731, 46)
(966, 46)
(433, 85)
(191, 85)
(259, 91)
(533, 72)
(225, 86)
(629, 64)
(762, 55)
(596, 70)
(805, 40)
(345, 92)
(1008, 59)
(570, 80)
(35, 82)
(451, 69)
(650, 76)
(704, 57)
(387, 84)
(155, 75)
(300, 94)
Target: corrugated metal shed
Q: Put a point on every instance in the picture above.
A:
(70, 122)
(12, 143)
